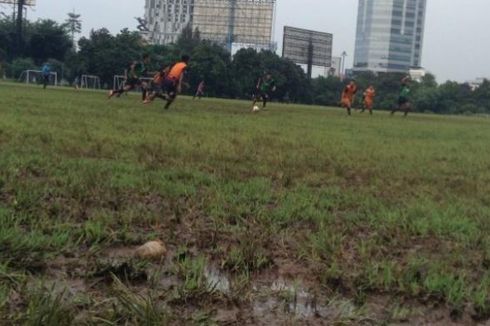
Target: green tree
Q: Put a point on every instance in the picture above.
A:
(326, 90)
(73, 24)
(17, 66)
(210, 63)
(105, 55)
(429, 80)
(7, 38)
(452, 96)
(47, 39)
(427, 99)
(293, 83)
(74, 66)
(246, 68)
(481, 96)
(188, 40)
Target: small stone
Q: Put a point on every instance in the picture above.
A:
(224, 316)
(151, 250)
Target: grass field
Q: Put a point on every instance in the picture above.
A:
(296, 215)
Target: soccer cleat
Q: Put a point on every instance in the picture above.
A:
(111, 94)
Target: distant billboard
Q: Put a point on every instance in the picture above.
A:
(30, 3)
(307, 47)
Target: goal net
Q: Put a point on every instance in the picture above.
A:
(36, 77)
(90, 81)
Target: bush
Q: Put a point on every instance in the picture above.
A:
(466, 109)
(18, 66)
(3, 66)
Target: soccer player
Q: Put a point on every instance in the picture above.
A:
(368, 101)
(76, 83)
(200, 90)
(348, 96)
(403, 99)
(133, 78)
(156, 85)
(46, 72)
(172, 85)
(265, 86)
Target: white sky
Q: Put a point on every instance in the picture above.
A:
(457, 35)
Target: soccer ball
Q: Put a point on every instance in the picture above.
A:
(256, 109)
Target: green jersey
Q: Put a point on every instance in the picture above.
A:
(267, 85)
(139, 69)
(405, 92)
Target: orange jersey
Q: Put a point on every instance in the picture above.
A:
(159, 77)
(177, 70)
(349, 92)
(369, 94)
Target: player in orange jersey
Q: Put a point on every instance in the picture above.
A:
(348, 96)
(172, 84)
(368, 102)
(156, 85)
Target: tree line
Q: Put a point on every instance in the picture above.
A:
(227, 76)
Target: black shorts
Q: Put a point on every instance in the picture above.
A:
(402, 100)
(133, 82)
(156, 87)
(262, 96)
(170, 87)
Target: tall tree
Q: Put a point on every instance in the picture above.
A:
(188, 39)
(7, 39)
(19, 24)
(73, 25)
(106, 55)
(48, 40)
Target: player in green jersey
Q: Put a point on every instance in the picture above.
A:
(404, 97)
(265, 86)
(137, 70)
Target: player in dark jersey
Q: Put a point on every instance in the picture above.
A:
(200, 90)
(46, 73)
(404, 97)
(137, 70)
(265, 86)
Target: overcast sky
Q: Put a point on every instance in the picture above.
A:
(456, 46)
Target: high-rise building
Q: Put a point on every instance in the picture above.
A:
(226, 22)
(166, 19)
(390, 35)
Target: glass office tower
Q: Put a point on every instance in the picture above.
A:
(389, 36)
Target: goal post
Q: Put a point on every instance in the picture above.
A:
(36, 77)
(90, 82)
(118, 81)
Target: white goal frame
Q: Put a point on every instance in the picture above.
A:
(84, 82)
(28, 73)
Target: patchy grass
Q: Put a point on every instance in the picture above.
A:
(357, 207)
